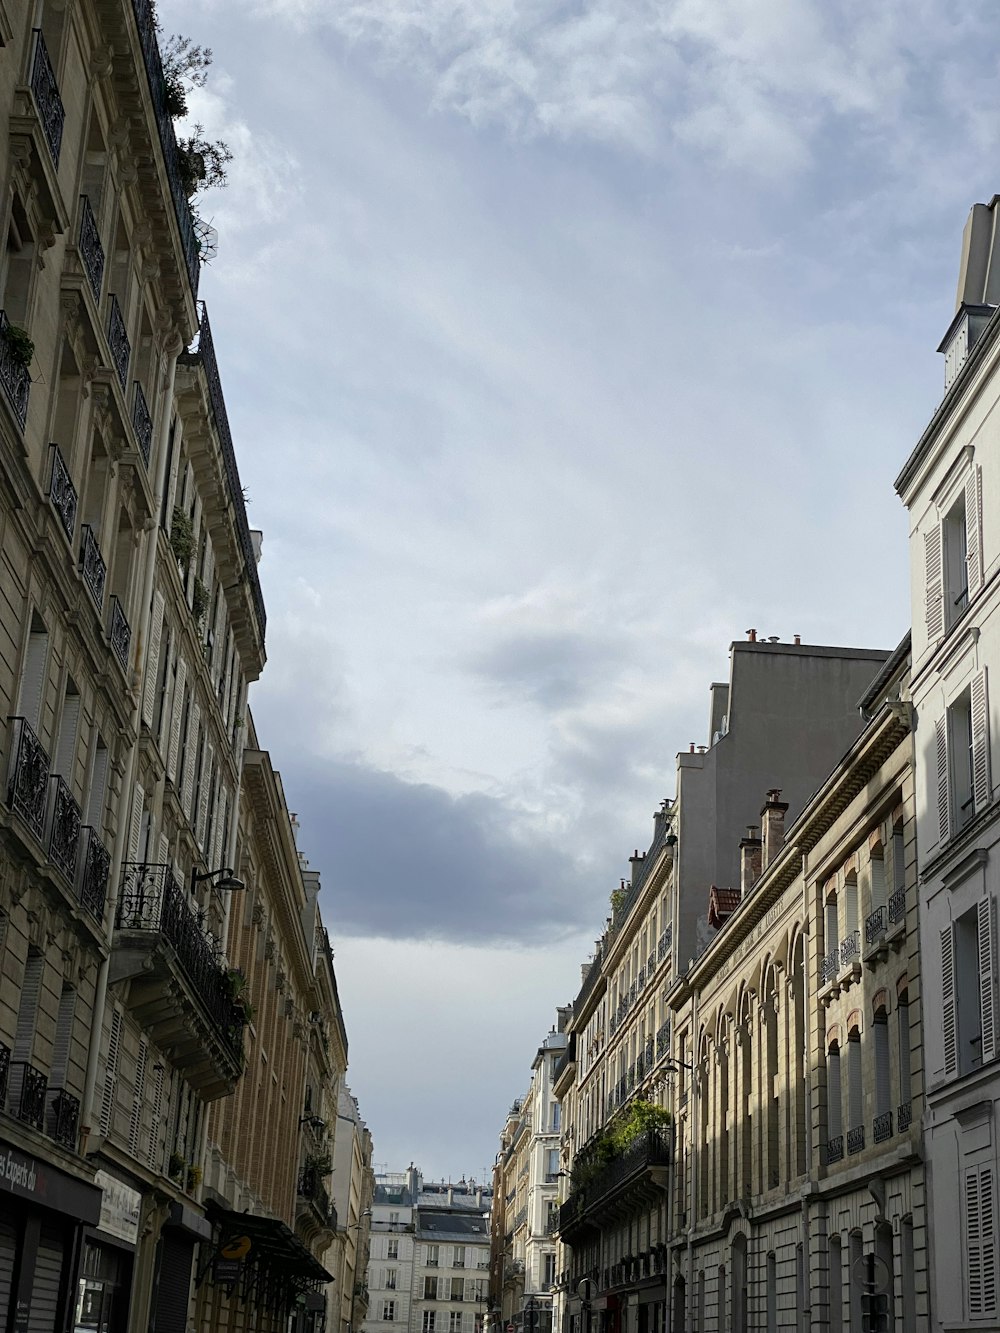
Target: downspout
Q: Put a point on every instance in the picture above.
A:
(172, 349)
(807, 1093)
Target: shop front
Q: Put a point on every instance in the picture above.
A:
(106, 1261)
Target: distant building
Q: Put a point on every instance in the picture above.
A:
(353, 1193)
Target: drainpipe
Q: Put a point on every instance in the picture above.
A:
(172, 349)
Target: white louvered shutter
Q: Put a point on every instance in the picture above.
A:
(177, 714)
(987, 978)
(934, 583)
(29, 704)
(883, 1082)
(163, 851)
(979, 705)
(152, 1152)
(974, 529)
(111, 1073)
(855, 1092)
(949, 1018)
(135, 822)
(203, 794)
(138, 1097)
(944, 803)
(218, 849)
(190, 756)
(98, 784)
(152, 660)
(68, 727)
(980, 1240)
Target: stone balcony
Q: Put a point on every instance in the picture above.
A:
(178, 989)
(634, 1181)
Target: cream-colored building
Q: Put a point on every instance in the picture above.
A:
(353, 1193)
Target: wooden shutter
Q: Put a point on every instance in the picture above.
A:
(883, 1081)
(64, 1037)
(973, 530)
(163, 850)
(177, 714)
(205, 787)
(855, 1091)
(135, 823)
(949, 1017)
(29, 704)
(987, 978)
(138, 1096)
(111, 1073)
(980, 1232)
(934, 583)
(152, 1151)
(68, 726)
(944, 803)
(190, 755)
(979, 705)
(153, 660)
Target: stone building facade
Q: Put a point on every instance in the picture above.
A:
(353, 1193)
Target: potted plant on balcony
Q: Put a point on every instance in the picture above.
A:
(176, 1167)
(237, 983)
(194, 1175)
(181, 536)
(199, 602)
(20, 348)
(321, 1163)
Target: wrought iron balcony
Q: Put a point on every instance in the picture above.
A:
(882, 1127)
(834, 1149)
(119, 633)
(95, 869)
(62, 493)
(856, 1139)
(27, 785)
(663, 946)
(875, 926)
(663, 1040)
(142, 422)
(650, 965)
(121, 348)
(28, 1087)
(91, 249)
(64, 829)
(4, 1072)
(850, 947)
(45, 91)
(311, 1187)
(633, 1181)
(830, 965)
(64, 1119)
(897, 907)
(904, 1116)
(15, 376)
(92, 567)
(177, 980)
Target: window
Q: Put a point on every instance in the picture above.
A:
(903, 1027)
(430, 1288)
(429, 1318)
(883, 1079)
(980, 1242)
(551, 1165)
(457, 1288)
(392, 1249)
(393, 1219)
(855, 1093)
(455, 1321)
(834, 1121)
(555, 1119)
(953, 564)
(963, 758)
(459, 1256)
(968, 990)
(433, 1253)
(548, 1269)
(390, 1279)
(388, 1311)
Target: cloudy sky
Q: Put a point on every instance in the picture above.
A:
(563, 341)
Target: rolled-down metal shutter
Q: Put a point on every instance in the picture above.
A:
(173, 1285)
(8, 1252)
(45, 1284)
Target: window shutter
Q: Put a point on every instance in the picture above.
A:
(855, 1095)
(27, 1009)
(190, 755)
(64, 1037)
(135, 822)
(152, 660)
(877, 867)
(934, 583)
(980, 1235)
(98, 783)
(157, 1117)
(111, 1073)
(973, 530)
(980, 741)
(949, 1018)
(138, 1096)
(177, 714)
(987, 979)
(944, 804)
(29, 704)
(883, 1082)
(68, 727)
(208, 758)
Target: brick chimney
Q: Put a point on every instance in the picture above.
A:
(750, 859)
(772, 825)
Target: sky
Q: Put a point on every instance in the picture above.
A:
(563, 341)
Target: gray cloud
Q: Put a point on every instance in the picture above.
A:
(553, 668)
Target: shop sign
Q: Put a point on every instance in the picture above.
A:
(228, 1263)
(120, 1207)
(37, 1182)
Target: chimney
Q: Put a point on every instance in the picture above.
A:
(978, 287)
(451, 1196)
(635, 861)
(772, 825)
(798, 640)
(750, 858)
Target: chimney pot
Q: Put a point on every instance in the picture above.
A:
(798, 640)
(691, 747)
(752, 635)
(772, 825)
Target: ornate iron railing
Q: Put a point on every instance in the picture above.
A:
(62, 492)
(151, 900)
(875, 925)
(663, 945)
(27, 786)
(311, 1187)
(830, 965)
(45, 91)
(31, 1089)
(904, 1116)
(850, 947)
(650, 965)
(95, 870)
(146, 23)
(4, 1072)
(92, 567)
(119, 633)
(897, 906)
(142, 422)
(663, 1040)
(856, 1139)
(15, 376)
(834, 1149)
(205, 353)
(91, 249)
(121, 348)
(64, 1119)
(882, 1127)
(64, 829)
(649, 1149)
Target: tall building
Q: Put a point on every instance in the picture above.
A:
(353, 1193)
(951, 488)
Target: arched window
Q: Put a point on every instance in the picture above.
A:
(882, 1128)
(855, 1092)
(834, 1111)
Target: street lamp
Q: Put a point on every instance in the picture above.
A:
(226, 879)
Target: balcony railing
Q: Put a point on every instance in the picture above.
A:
(663, 945)
(91, 249)
(897, 906)
(64, 1119)
(311, 1187)
(152, 901)
(62, 493)
(45, 91)
(146, 22)
(15, 376)
(142, 422)
(850, 947)
(28, 1087)
(830, 965)
(64, 829)
(882, 1127)
(92, 567)
(663, 1040)
(121, 348)
(856, 1139)
(875, 926)
(904, 1116)
(4, 1072)
(834, 1149)
(27, 785)
(119, 633)
(95, 869)
(651, 1149)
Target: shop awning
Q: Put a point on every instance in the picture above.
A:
(275, 1269)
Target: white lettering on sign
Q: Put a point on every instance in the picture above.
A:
(18, 1172)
